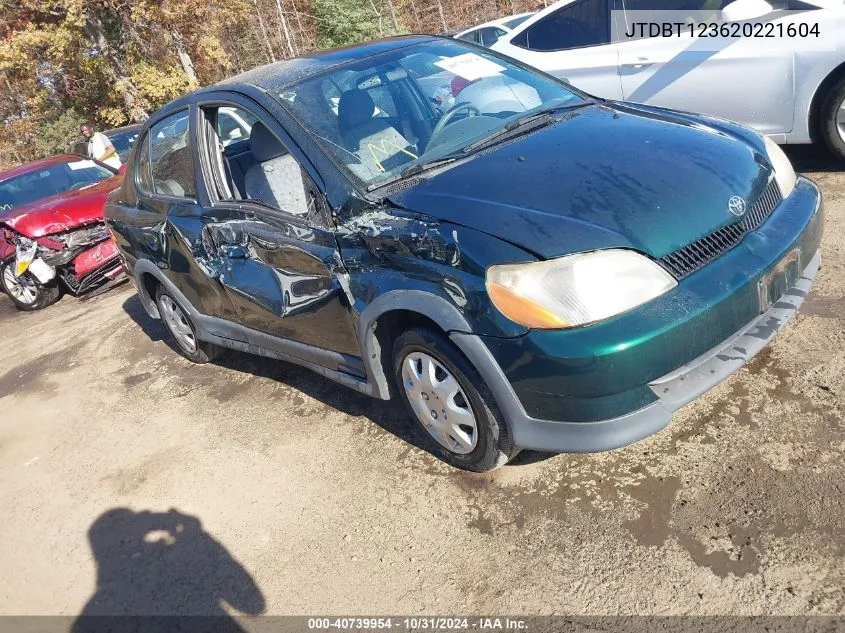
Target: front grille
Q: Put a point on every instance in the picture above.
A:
(687, 259)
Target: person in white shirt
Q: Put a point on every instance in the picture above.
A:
(99, 146)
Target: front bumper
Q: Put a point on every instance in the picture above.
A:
(608, 385)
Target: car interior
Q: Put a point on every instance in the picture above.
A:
(258, 167)
(261, 168)
(377, 121)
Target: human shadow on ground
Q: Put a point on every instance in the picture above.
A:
(156, 564)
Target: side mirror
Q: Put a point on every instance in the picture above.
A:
(740, 10)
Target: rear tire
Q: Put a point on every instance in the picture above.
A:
(26, 292)
(183, 331)
(450, 400)
(832, 119)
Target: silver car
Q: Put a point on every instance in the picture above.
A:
(793, 92)
(488, 33)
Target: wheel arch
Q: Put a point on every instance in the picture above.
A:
(822, 90)
(390, 314)
(147, 277)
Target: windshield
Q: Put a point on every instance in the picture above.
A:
(49, 181)
(379, 116)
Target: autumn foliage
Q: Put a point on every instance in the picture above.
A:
(117, 61)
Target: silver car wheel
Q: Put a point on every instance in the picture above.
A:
(22, 288)
(439, 403)
(178, 324)
(840, 120)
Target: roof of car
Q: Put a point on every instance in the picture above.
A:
(282, 73)
(37, 164)
(298, 68)
(124, 128)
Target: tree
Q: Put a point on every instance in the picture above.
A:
(116, 61)
(344, 22)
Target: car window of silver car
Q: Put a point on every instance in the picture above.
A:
(490, 35)
(577, 25)
(689, 12)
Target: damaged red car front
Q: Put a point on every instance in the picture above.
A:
(52, 233)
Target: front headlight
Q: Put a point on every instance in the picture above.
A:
(576, 289)
(784, 173)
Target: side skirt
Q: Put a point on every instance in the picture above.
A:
(357, 383)
(341, 368)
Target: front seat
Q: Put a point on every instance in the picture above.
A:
(275, 178)
(374, 140)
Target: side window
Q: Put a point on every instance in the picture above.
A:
(583, 23)
(669, 5)
(171, 160)
(490, 35)
(472, 36)
(693, 10)
(142, 166)
(265, 171)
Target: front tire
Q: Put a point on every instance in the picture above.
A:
(450, 400)
(26, 292)
(832, 119)
(182, 329)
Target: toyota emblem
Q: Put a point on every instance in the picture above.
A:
(736, 206)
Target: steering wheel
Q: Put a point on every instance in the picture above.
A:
(447, 117)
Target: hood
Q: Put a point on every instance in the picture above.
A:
(606, 176)
(62, 212)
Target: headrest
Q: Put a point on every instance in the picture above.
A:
(263, 143)
(354, 108)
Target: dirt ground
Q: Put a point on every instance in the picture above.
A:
(132, 480)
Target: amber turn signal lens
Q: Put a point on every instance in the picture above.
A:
(522, 310)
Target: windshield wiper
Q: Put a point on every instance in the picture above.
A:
(523, 124)
(415, 170)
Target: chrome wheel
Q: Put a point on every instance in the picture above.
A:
(178, 324)
(22, 288)
(439, 403)
(840, 120)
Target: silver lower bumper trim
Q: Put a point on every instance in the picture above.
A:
(688, 382)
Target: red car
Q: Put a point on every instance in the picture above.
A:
(52, 234)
